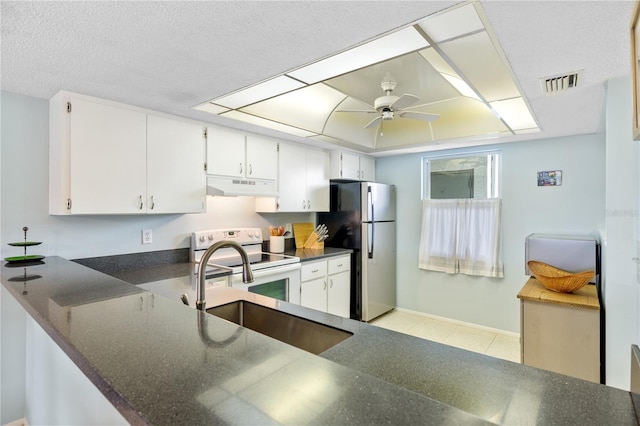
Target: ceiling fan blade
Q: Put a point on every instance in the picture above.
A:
(404, 101)
(368, 111)
(373, 122)
(422, 116)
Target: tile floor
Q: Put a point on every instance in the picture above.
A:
(498, 345)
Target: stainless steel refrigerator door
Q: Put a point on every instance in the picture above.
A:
(378, 202)
(378, 268)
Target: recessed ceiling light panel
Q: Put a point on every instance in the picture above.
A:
(251, 119)
(515, 113)
(451, 24)
(381, 49)
(258, 92)
(306, 108)
(211, 108)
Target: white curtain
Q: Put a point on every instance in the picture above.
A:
(462, 236)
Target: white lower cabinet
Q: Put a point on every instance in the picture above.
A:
(325, 285)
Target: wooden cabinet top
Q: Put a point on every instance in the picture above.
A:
(586, 297)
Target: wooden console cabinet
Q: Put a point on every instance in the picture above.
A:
(560, 332)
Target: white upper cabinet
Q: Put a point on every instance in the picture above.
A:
(262, 158)
(351, 166)
(231, 153)
(107, 158)
(317, 181)
(175, 166)
(292, 185)
(225, 152)
(303, 184)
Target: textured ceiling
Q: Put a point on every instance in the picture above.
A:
(169, 56)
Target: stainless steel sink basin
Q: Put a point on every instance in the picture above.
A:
(299, 332)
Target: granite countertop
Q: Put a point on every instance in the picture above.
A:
(312, 254)
(154, 366)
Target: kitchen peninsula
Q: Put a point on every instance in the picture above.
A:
(147, 355)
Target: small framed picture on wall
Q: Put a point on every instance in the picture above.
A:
(550, 178)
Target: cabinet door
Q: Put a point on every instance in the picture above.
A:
(107, 159)
(225, 152)
(367, 169)
(175, 166)
(262, 158)
(313, 294)
(339, 294)
(292, 182)
(317, 180)
(350, 166)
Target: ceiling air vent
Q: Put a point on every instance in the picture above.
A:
(559, 83)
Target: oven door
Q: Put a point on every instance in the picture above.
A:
(279, 282)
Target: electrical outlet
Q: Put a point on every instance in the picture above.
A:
(147, 236)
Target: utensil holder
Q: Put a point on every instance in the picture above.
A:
(276, 244)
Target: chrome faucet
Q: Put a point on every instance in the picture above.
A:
(247, 275)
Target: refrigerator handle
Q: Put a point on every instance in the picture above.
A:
(370, 205)
(370, 237)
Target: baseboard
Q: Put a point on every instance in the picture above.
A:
(19, 422)
(466, 324)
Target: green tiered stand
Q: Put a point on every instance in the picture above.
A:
(24, 258)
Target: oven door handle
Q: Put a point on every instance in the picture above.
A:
(236, 278)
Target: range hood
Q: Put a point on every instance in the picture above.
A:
(234, 186)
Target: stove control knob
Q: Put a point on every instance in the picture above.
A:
(250, 234)
(201, 238)
(210, 237)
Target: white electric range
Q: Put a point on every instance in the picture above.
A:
(275, 275)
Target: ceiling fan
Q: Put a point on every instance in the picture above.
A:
(389, 106)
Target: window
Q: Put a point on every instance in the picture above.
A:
(461, 215)
(474, 176)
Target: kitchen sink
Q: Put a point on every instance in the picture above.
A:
(302, 333)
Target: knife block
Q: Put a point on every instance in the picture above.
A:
(313, 243)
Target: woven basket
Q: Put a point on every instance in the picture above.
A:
(558, 280)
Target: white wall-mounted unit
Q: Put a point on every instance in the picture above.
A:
(239, 164)
(110, 158)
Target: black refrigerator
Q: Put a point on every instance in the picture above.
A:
(363, 218)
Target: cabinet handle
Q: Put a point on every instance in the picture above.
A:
(153, 203)
(250, 169)
(304, 204)
(330, 283)
(240, 167)
(358, 174)
(308, 204)
(314, 271)
(325, 285)
(339, 265)
(140, 203)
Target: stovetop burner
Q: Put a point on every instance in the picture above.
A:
(227, 258)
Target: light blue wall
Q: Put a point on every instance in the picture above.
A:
(24, 200)
(621, 272)
(575, 207)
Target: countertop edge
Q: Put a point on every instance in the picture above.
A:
(118, 401)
